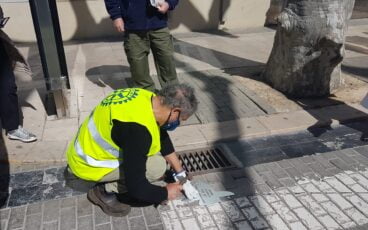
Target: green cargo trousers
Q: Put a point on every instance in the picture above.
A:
(137, 45)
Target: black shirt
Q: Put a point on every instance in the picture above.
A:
(135, 140)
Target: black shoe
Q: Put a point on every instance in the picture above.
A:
(107, 202)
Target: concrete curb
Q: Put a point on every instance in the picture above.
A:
(204, 135)
(201, 135)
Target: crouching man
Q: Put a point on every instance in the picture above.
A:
(124, 146)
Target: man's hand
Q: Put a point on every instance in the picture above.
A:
(119, 25)
(163, 7)
(173, 190)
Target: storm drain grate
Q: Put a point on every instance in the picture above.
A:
(207, 160)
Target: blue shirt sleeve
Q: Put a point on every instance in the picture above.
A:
(172, 4)
(114, 9)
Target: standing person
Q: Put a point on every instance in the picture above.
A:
(144, 23)
(9, 108)
(124, 146)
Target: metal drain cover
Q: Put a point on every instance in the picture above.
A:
(206, 160)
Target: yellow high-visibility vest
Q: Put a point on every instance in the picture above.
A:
(93, 154)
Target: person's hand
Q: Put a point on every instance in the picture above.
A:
(173, 190)
(163, 7)
(119, 25)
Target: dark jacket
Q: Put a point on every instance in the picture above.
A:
(138, 14)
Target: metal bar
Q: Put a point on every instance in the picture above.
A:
(47, 28)
(223, 158)
(50, 45)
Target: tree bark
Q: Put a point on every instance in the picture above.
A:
(276, 7)
(309, 47)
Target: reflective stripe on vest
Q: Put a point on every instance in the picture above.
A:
(93, 162)
(99, 140)
(102, 143)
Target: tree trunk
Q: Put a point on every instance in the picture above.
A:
(276, 6)
(309, 47)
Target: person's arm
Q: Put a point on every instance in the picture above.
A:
(168, 151)
(135, 141)
(113, 7)
(172, 4)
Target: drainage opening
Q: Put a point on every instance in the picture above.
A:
(201, 161)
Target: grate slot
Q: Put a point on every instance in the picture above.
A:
(201, 164)
(212, 159)
(223, 158)
(205, 159)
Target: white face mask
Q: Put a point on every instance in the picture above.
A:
(155, 3)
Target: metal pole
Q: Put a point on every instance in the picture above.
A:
(50, 45)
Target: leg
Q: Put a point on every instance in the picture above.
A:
(155, 169)
(9, 110)
(163, 52)
(136, 47)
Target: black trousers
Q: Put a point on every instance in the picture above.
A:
(9, 109)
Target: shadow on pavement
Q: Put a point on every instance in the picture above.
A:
(108, 75)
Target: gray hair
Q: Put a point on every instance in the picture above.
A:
(179, 96)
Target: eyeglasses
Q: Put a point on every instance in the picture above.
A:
(3, 21)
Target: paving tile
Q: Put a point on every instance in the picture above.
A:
(203, 216)
(190, 224)
(243, 202)
(232, 211)
(22, 196)
(244, 225)
(276, 222)
(64, 129)
(84, 207)
(263, 207)
(47, 151)
(312, 205)
(34, 208)
(171, 221)
(26, 179)
(51, 210)
(328, 222)
(151, 215)
(33, 222)
(358, 203)
(222, 220)
(137, 223)
(257, 221)
(271, 180)
(284, 211)
(285, 123)
(289, 198)
(339, 200)
(104, 227)
(297, 225)
(135, 212)
(356, 216)
(50, 225)
(85, 222)
(100, 217)
(308, 219)
(156, 227)
(68, 202)
(335, 212)
(68, 218)
(17, 216)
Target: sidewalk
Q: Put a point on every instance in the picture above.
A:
(222, 68)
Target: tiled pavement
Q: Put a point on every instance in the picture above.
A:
(281, 187)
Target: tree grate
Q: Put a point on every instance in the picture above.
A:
(207, 160)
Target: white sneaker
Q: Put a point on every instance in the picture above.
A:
(22, 135)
